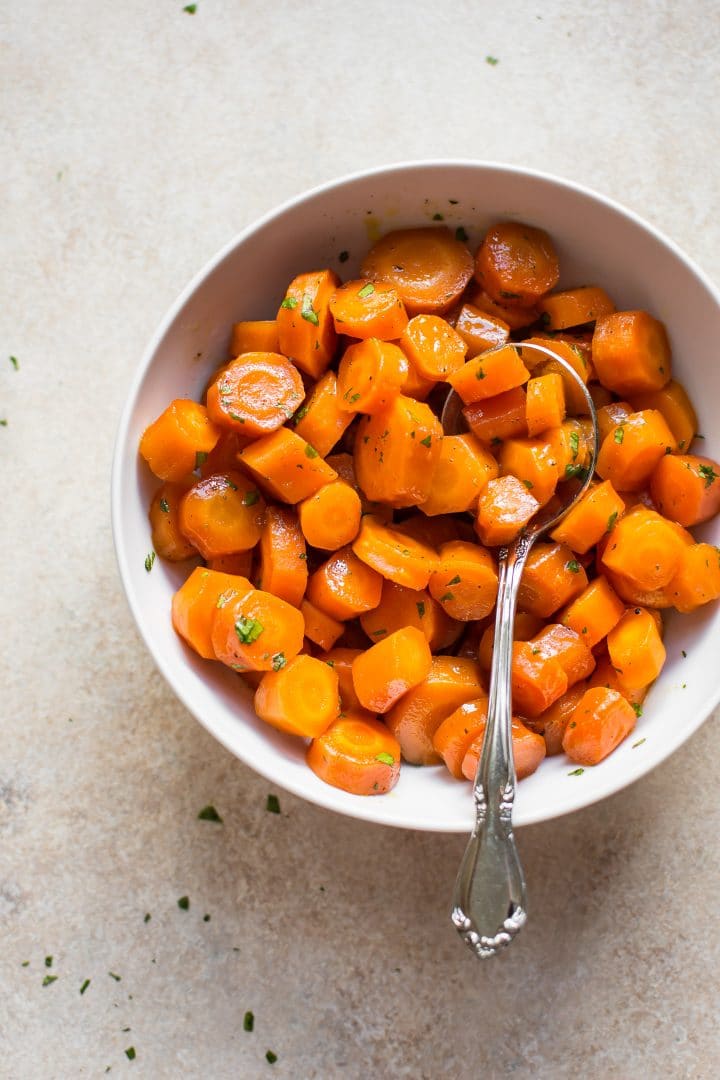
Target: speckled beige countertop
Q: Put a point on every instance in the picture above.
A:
(136, 139)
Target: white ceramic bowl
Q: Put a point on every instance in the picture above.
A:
(598, 242)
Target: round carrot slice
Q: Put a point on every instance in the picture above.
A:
(255, 394)
(167, 539)
(527, 746)
(516, 264)
(357, 754)
(393, 554)
(301, 697)
(368, 309)
(465, 582)
(428, 267)
(432, 346)
(330, 518)
(386, 671)
(255, 631)
(222, 514)
(370, 376)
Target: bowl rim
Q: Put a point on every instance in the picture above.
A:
(655, 755)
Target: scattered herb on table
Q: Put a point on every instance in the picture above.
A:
(248, 1021)
(130, 1052)
(209, 813)
(14, 361)
(49, 979)
(183, 903)
(273, 804)
(271, 1057)
(84, 986)
(117, 978)
(491, 60)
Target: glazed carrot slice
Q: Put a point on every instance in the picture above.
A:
(551, 578)
(356, 754)
(544, 403)
(479, 330)
(195, 602)
(629, 453)
(492, 373)
(463, 471)
(592, 516)
(450, 682)
(504, 509)
(595, 612)
(675, 405)
(516, 264)
(222, 514)
(631, 352)
(568, 648)
(534, 462)
(465, 582)
(527, 746)
(537, 680)
(499, 417)
(330, 518)
(320, 628)
(553, 722)
(344, 587)
(610, 415)
(167, 539)
(368, 309)
(255, 394)
(415, 386)
(282, 565)
(428, 267)
(525, 626)
(573, 355)
(304, 323)
(320, 421)
(386, 671)
(697, 580)
(395, 555)
(370, 375)
(686, 488)
(286, 466)
(433, 348)
(172, 444)
(517, 318)
(300, 697)
(636, 650)
(254, 335)
(224, 455)
(341, 661)
(397, 451)
(455, 734)
(574, 307)
(255, 631)
(400, 607)
(600, 722)
(606, 676)
(645, 548)
(239, 562)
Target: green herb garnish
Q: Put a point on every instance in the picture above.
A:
(426, 441)
(708, 474)
(290, 303)
(147, 917)
(638, 709)
(480, 374)
(421, 609)
(528, 484)
(308, 313)
(273, 804)
(438, 217)
(638, 743)
(611, 520)
(574, 443)
(184, 903)
(367, 290)
(250, 498)
(619, 434)
(387, 759)
(165, 506)
(190, 9)
(3, 422)
(573, 566)
(248, 1021)
(378, 633)
(300, 414)
(49, 979)
(248, 630)
(117, 978)
(270, 1057)
(149, 561)
(130, 1052)
(278, 661)
(84, 986)
(447, 596)
(310, 451)
(48, 961)
(491, 60)
(209, 813)
(456, 580)
(575, 471)
(576, 772)
(14, 361)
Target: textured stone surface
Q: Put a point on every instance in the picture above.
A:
(136, 139)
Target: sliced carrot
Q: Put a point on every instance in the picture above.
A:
(465, 582)
(341, 661)
(525, 626)
(600, 722)
(222, 514)
(552, 577)
(631, 352)
(534, 462)
(573, 354)
(356, 754)
(527, 746)
(397, 451)
(479, 330)
(504, 509)
(240, 562)
(553, 722)
(386, 671)
(180, 438)
(224, 455)
(320, 421)
(433, 348)
(400, 607)
(600, 395)
(453, 737)
(686, 488)
(255, 394)
(494, 372)
(517, 318)
(255, 335)
(370, 375)
(537, 680)
(610, 415)
(344, 587)
(499, 417)
(636, 650)
(320, 628)
(255, 631)
(606, 676)
(595, 612)
(282, 567)
(305, 327)
(675, 405)
(415, 386)
(167, 538)
(330, 518)
(300, 697)
(414, 720)
(574, 307)
(593, 515)
(286, 466)
(516, 264)
(428, 267)
(697, 580)
(544, 403)
(368, 309)
(645, 548)
(195, 602)
(630, 452)
(463, 471)
(395, 555)
(568, 648)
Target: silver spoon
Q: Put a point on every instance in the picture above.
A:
(489, 902)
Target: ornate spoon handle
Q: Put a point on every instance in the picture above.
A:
(489, 901)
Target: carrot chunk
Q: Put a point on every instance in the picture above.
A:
(677, 409)
(465, 582)
(535, 462)
(574, 307)
(341, 661)
(255, 394)
(479, 330)
(320, 628)
(356, 754)
(686, 488)
(286, 466)
(300, 697)
(370, 375)
(368, 309)
(567, 647)
(631, 352)
(552, 577)
(491, 373)
(553, 723)
(697, 580)
(595, 612)
(455, 734)
(504, 509)
(222, 514)
(517, 318)
(636, 649)
(600, 722)
(400, 607)
(499, 417)
(414, 720)
(630, 452)
(428, 267)
(344, 587)
(433, 348)
(544, 403)
(537, 680)
(645, 548)
(528, 750)
(524, 627)
(194, 605)
(463, 470)
(255, 631)
(181, 436)
(591, 517)
(167, 538)
(330, 518)
(304, 322)
(386, 671)
(254, 335)
(282, 567)
(397, 451)
(320, 421)
(240, 562)
(395, 555)
(516, 264)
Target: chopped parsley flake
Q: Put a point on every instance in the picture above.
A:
(491, 60)
(387, 759)
(270, 1057)
(149, 561)
(248, 630)
(14, 361)
(479, 374)
(278, 661)
(48, 961)
(708, 474)
(638, 743)
(300, 414)
(3, 422)
(619, 434)
(237, 418)
(273, 804)
(421, 609)
(165, 506)
(310, 451)
(248, 1021)
(130, 1052)
(447, 596)
(250, 498)
(461, 235)
(49, 979)
(84, 986)
(308, 313)
(378, 633)
(528, 484)
(576, 772)
(367, 290)
(683, 653)
(611, 520)
(209, 813)
(573, 566)
(572, 471)
(290, 303)
(343, 257)
(117, 978)
(638, 709)
(354, 398)
(147, 917)
(190, 9)
(200, 458)
(426, 441)
(574, 443)
(456, 580)
(184, 903)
